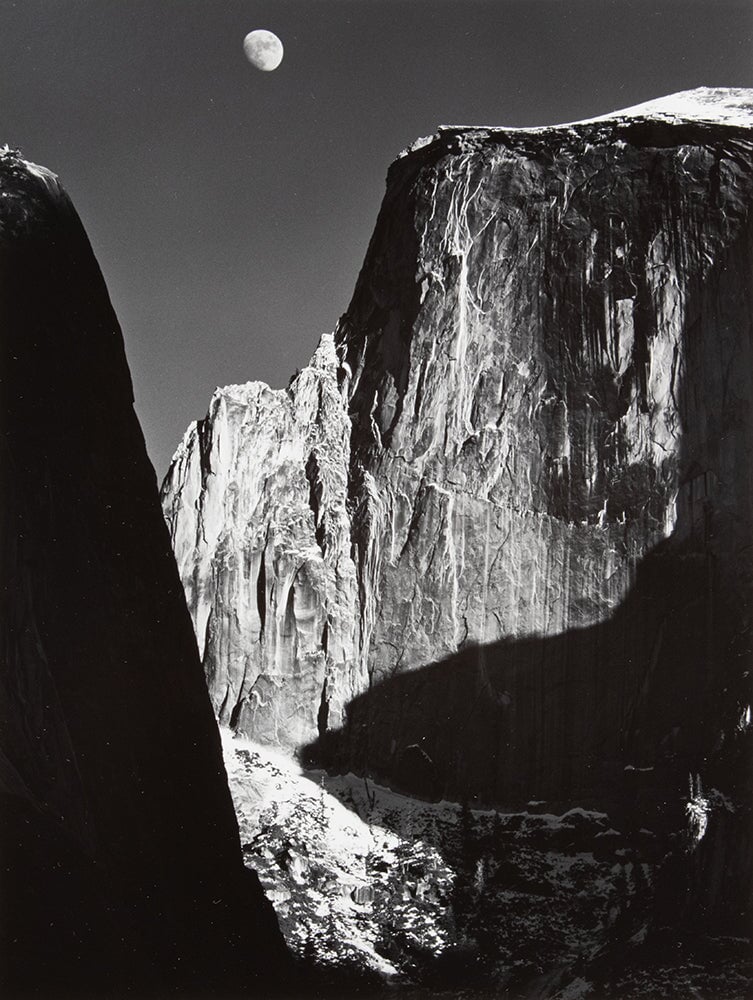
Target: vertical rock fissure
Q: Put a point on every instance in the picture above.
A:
(322, 719)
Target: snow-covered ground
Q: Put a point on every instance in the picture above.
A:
(402, 890)
(330, 862)
(435, 899)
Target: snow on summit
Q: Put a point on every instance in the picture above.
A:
(732, 106)
(717, 105)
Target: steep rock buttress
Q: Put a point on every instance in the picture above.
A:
(122, 868)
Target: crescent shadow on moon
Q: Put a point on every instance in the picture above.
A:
(263, 49)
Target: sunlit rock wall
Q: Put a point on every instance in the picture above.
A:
(256, 500)
(546, 370)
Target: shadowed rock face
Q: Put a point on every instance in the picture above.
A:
(538, 516)
(120, 853)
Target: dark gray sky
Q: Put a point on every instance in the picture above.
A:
(230, 209)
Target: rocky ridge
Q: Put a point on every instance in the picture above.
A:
(483, 540)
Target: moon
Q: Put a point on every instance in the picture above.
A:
(263, 49)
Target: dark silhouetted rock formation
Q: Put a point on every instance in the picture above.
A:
(495, 540)
(121, 864)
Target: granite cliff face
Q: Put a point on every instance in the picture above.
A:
(257, 499)
(495, 540)
(122, 869)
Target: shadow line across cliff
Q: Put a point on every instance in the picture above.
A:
(591, 714)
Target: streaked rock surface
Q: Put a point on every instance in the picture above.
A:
(257, 501)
